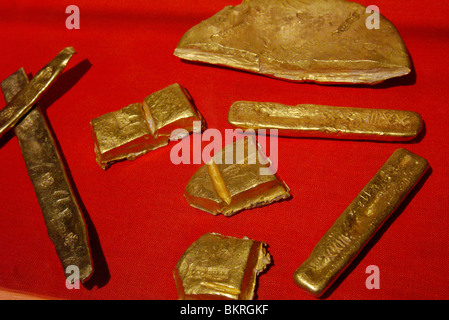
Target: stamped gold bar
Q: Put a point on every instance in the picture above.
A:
(23, 101)
(62, 214)
(220, 267)
(141, 127)
(360, 221)
(228, 188)
(318, 121)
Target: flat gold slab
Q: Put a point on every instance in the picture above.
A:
(324, 41)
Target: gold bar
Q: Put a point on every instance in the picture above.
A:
(62, 214)
(23, 101)
(318, 121)
(245, 186)
(219, 267)
(324, 41)
(360, 221)
(141, 127)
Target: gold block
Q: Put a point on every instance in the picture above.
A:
(360, 221)
(326, 41)
(141, 127)
(326, 122)
(219, 267)
(229, 188)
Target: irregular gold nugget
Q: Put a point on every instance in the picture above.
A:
(229, 184)
(360, 221)
(23, 101)
(325, 41)
(62, 214)
(141, 127)
(219, 267)
(326, 122)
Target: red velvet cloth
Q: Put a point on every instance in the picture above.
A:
(140, 223)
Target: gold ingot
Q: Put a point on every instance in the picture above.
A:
(62, 214)
(141, 127)
(360, 221)
(219, 267)
(326, 122)
(23, 101)
(326, 41)
(232, 184)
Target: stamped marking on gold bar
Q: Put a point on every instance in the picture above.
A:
(23, 101)
(359, 222)
(326, 121)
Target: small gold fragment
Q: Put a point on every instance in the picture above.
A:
(141, 127)
(360, 221)
(62, 214)
(326, 122)
(326, 41)
(23, 101)
(241, 186)
(219, 267)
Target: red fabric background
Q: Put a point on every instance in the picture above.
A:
(140, 223)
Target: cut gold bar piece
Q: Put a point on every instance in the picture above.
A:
(141, 127)
(318, 121)
(240, 183)
(325, 41)
(360, 221)
(23, 101)
(62, 214)
(219, 267)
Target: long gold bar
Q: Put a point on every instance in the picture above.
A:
(318, 121)
(136, 129)
(220, 267)
(23, 101)
(62, 214)
(360, 221)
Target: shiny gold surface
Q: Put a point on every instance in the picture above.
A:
(359, 222)
(326, 121)
(244, 183)
(62, 214)
(141, 127)
(219, 267)
(218, 182)
(23, 101)
(323, 41)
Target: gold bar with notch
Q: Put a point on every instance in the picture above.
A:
(318, 121)
(23, 101)
(62, 214)
(360, 221)
(220, 267)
